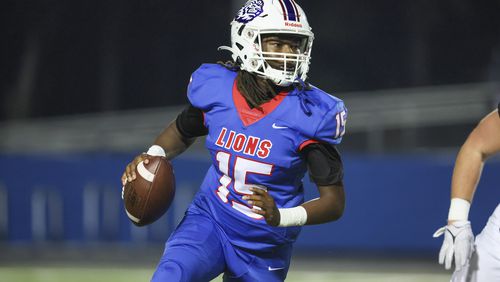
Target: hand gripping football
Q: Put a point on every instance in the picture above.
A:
(149, 196)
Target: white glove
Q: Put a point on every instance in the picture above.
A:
(458, 242)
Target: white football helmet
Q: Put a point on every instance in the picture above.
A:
(276, 17)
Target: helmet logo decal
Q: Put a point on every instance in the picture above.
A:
(292, 13)
(250, 11)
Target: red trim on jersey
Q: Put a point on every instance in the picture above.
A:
(250, 116)
(305, 143)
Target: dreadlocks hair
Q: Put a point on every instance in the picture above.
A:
(256, 92)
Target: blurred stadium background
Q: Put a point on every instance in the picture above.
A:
(86, 85)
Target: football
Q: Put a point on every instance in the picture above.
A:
(149, 196)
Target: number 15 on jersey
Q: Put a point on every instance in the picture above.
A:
(242, 166)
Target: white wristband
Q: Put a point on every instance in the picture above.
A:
(459, 209)
(156, 151)
(296, 216)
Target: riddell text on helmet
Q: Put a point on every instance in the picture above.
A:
(293, 24)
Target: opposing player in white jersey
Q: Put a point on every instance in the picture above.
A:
(480, 261)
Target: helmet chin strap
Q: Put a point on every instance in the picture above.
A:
(225, 48)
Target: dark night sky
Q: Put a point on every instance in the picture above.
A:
(65, 57)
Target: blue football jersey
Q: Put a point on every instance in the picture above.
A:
(257, 148)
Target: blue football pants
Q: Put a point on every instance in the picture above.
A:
(198, 251)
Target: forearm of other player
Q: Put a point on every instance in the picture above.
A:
(483, 142)
(328, 207)
(458, 243)
(465, 177)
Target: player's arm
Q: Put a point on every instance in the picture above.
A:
(182, 132)
(328, 207)
(326, 170)
(483, 142)
(173, 140)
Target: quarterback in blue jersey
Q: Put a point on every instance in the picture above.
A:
(265, 127)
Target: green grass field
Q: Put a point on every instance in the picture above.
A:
(116, 263)
(128, 274)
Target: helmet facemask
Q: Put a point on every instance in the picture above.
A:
(283, 67)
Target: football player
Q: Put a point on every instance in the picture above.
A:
(479, 261)
(265, 128)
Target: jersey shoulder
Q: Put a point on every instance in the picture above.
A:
(203, 82)
(326, 101)
(325, 116)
